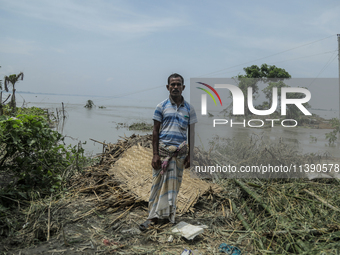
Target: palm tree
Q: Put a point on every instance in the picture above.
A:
(13, 78)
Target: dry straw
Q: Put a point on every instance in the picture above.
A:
(260, 216)
(133, 170)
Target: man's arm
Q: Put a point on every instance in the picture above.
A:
(191, 140)
(156, 161)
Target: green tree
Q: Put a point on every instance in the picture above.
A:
(266, 73)
(332, 136)
(13, 79)
(269, 89)
(244, 83)
(292, 111)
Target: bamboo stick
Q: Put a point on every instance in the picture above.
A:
(255, 196)
(305, 199)
(98, 142)
(64, 237)
(267, 208)
(254, 185)
(283, 232)
(120, 216)
(250, 214)
(246, 225)
(49, 220)
(302, 245)
(322, 200)
(241, 218)
(85, 214)
(93, 187)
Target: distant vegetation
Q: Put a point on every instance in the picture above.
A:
(332, 136)
(89, 104)
(275, 77)
(13, 79)
(142, 126)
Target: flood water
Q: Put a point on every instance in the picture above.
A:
(102, 124)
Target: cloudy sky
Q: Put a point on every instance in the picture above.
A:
(113, 48)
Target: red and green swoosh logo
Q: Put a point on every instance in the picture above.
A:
(209, 93)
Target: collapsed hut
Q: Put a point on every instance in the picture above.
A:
(106, 203)
(269, 211)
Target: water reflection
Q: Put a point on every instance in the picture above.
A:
(306, 140)
(101, 124)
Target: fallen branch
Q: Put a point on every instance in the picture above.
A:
(98, 142)
(268, 209)
(282, 232)
(49, 220)
(246, 225)
(322, 200)
(255, 196)
(120, 216)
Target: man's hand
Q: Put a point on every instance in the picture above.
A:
(156, 162)
(187, 161)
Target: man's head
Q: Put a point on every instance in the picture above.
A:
(175, 85)
(175, 75)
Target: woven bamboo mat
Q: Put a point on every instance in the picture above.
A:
(133, 170)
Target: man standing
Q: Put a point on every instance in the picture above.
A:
(174, 118)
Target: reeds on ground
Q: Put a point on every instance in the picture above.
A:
(258, 215)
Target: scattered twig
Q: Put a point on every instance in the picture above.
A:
(98, 142)
(49, 220)
(120, 216)
(322, 200)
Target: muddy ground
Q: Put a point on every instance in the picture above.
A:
(77, 226)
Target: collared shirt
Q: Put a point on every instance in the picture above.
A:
(175, 121)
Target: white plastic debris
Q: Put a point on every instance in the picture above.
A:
(25, 225)
(187, 230)
(171, 238)
(186, 252)
(131, 231)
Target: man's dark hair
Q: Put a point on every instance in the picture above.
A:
(175, 75)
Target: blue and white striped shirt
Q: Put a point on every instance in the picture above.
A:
(175, 121)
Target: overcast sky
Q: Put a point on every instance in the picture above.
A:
(110, 48)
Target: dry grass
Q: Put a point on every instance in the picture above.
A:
(100, 215)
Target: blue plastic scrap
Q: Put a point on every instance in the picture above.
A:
(229, 249)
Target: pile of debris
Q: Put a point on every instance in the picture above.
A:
(106, 203)
(281, 215)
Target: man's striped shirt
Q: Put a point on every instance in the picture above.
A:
(175, 121)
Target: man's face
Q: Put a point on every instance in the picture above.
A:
(175, 87)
